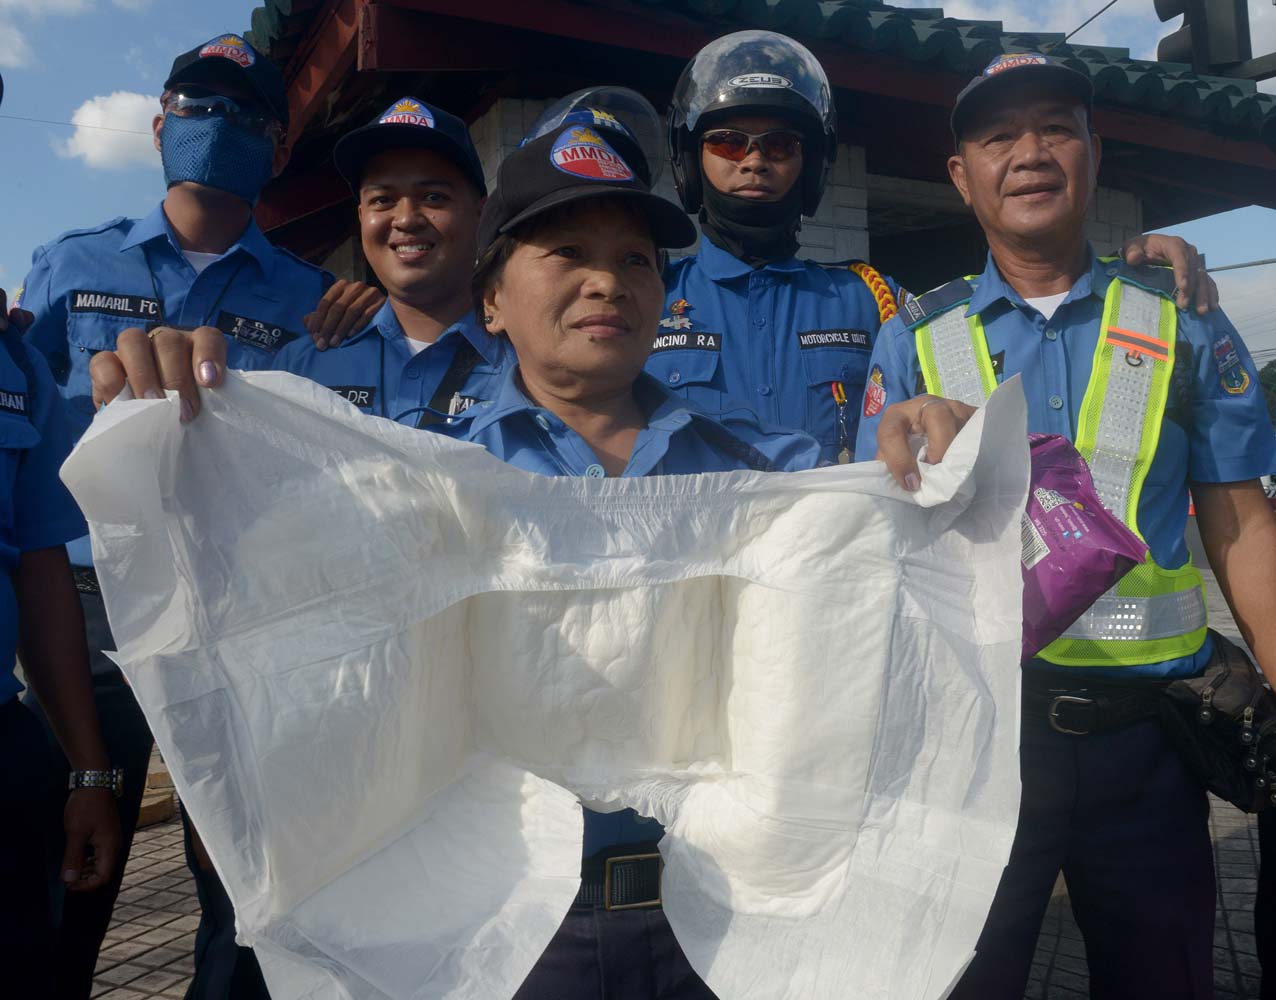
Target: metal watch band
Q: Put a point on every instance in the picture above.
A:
(112, 779)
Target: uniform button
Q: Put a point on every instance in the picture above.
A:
(1052, 334)
(413, 373)
(760, 321)
(675, 378)
(596, 471)
(765, 390)
(845, 372)
(1112, 272)
(1056, 403)
(544, 423)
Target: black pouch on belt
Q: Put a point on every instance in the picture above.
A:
(1223, 724)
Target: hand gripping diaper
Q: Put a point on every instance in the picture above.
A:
(386, 669)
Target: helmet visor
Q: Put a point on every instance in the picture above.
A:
(755, 69)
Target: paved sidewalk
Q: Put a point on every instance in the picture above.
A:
(148, 950)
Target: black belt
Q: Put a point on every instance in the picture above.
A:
(1082, 710)
(85, 579)
(624, 877)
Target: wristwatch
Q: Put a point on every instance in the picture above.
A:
(112, 779)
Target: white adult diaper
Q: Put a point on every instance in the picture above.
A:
(385, 667)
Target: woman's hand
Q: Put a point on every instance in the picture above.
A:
(162, 359)
(938, 420)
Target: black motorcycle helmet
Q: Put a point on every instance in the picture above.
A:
(755, 71)
(624, 116)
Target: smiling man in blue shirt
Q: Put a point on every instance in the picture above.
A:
(1158, 399)
(419, 185)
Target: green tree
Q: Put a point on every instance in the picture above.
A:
(1267, 378)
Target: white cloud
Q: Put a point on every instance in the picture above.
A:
(35, 8)
(114, 143)
(15, 50)
(132, 5)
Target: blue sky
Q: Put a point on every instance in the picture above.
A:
(102, 61)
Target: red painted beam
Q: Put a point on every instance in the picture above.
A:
(322, 59)
(396, 39)
(297, 196)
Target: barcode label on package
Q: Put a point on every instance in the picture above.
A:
(1030, 541)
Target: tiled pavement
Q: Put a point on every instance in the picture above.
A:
(147, 952)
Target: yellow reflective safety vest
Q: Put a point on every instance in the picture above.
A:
(1153, 613)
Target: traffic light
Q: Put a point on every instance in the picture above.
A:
(1214, 34)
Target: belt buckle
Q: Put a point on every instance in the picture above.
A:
(646, 904)
(1052, 714)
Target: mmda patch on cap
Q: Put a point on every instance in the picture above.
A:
(584, 153)
(230, 47)
(407, 112)
(1013, 60)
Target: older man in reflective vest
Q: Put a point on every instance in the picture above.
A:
(1157, 399)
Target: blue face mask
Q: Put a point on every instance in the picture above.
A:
(213, 152)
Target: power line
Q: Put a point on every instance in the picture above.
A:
(1105, 7)
(47, 121)
(1248, 263)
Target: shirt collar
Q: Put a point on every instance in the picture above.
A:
(155, 225)
(386, 322)
(722, 266)
(990, 287)
(664, 410)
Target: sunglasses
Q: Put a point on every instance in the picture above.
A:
(733, 144)
(244, 114)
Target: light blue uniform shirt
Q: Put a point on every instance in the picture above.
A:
(36, 511)
(678, 439)
(88, 285)
(770, 340)
(1216, 429)
(378, 372)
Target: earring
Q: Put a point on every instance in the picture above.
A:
(487, 319)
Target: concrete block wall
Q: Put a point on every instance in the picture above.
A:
(839, 229)
(1114, 217)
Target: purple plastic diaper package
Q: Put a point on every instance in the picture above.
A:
(1074, 548)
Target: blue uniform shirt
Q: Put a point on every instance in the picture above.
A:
(771, 340)
(88, 285)
(36, 511)
(1216, 429)
(678, 439)
(378, 372)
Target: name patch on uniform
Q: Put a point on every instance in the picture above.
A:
(688, 342)
(112, 304)
(360, 395)
(13, 402)
(854, 339)
(254, 332)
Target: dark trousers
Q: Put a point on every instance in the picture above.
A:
(223, 970)
(26, 929)
(599, 954)
(1265, 902)
(81, 919)
(1127, 825)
